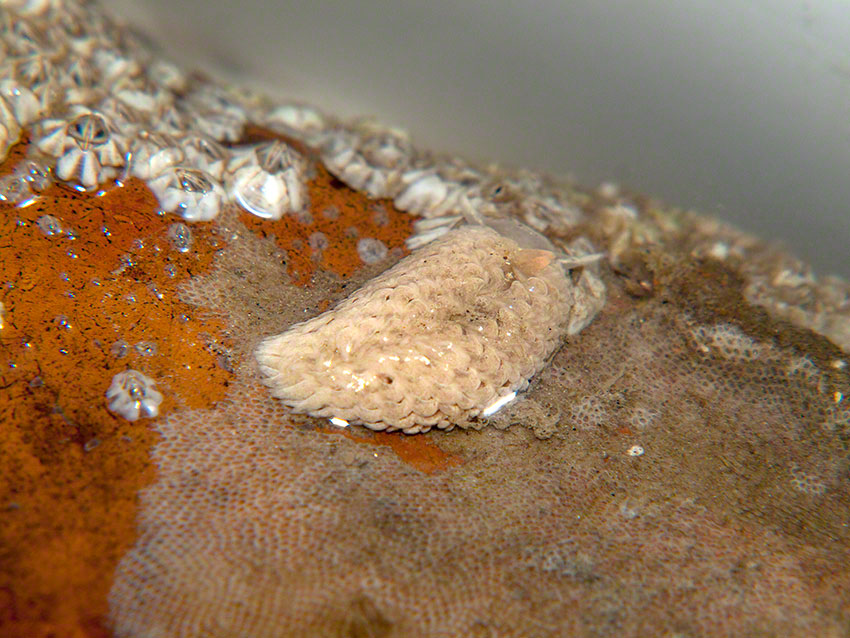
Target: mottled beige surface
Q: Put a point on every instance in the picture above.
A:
(731, 523)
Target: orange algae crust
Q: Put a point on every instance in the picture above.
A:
(418, 452)
(426, 456)
(90, 296)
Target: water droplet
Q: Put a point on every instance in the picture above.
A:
(134, 389)
(155, 291)
(62, 322)
(88, 130)
(36, 175)
(91, 444)
(119, 349)
(49, 225)
(180, 236)
(371, 250)
(15, 190)
(193, 181)
(146, 348)
(124, 262)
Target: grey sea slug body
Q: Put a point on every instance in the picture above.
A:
(452, 329)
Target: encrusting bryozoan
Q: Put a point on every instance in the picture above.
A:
(447, 332)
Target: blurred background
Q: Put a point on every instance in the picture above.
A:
(738, 108)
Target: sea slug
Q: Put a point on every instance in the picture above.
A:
(448, 332)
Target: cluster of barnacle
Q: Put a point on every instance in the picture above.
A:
(789, 288)
(98, 106)
(440, 190)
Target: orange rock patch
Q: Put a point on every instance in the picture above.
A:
(85, 295)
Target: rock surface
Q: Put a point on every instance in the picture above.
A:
(679, 468)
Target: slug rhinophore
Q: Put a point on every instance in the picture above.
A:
(449, 333)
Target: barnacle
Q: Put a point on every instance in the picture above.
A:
(205, 154)
(368, 157)
(300, 121)
(24, 104)
(189, 192)
(10, 129)
(268, 180)
(215, 112)
(87, 148)
(133, 395)
(151, 154)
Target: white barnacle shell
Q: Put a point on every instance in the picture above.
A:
(113, 64)
(10, 130)
(86, 146)
(167, 75)
(436, 190)
(268, 180)
(215, 112)
(368, 158)
(151, 154)
(29, 8)
(300, 121)
(533, 198)
(423, 191)
(24, 104)
(190, 192)
(446, 333)
(132, 395)
(205, 154)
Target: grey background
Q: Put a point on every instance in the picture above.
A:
(740, 108)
